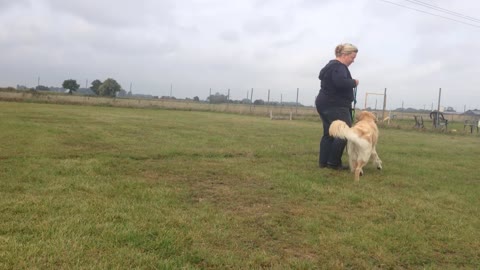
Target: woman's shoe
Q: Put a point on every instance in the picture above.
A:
(338, 167)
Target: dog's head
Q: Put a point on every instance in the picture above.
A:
(366, 116)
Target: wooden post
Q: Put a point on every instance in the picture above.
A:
(228, 98)
(366, 96)
(438, 108)
(268, 101)
(384, 103)
(251, 100)
(296, 105)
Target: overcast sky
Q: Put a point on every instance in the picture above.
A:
(197, 45)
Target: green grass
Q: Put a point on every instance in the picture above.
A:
(121, 188)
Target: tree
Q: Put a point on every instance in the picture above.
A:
(109, 88)
(217, 98)
(71, 85)
(450, 109)
(259, 102)
(95, 86)
(122, 93)
(196, 98)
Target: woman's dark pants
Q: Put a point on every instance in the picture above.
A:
(331, 149)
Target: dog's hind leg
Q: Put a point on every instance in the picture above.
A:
(358, 170)
(353, 164)
(376, 159)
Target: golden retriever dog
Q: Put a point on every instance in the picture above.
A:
(361, 139)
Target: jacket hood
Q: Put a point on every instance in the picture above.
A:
(327, 68)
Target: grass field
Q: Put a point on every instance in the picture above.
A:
(90, 187)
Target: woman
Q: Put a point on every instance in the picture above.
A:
(334, 103)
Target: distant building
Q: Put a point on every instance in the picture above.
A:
(85, 92)
(449, 109)
(142, 96)
(473, 112)
(57, 89)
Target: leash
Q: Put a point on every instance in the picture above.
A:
(353, 109)
(354, 103)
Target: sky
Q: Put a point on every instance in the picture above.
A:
(196, 47)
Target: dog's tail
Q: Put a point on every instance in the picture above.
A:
(340, 129)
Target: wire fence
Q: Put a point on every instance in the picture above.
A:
(278, 111)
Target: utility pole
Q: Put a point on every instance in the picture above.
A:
(296, 105)
(281, 103)
(251, 99)
(228, 98)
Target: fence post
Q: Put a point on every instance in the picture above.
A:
(384, 103)
(228, 98)
(438, 110)
(296, 104)
(251, 100)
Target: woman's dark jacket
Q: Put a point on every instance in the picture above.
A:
(336, 87)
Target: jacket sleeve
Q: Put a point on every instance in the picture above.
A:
(341, 77)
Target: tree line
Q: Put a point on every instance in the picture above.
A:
(110, 88)
(107, 88)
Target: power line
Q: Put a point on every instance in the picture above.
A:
(444, 10)
(433, 14)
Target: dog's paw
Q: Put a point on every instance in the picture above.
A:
(361, 172)
(379, 167)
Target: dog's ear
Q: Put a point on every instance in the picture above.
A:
(359, 116)
(362, 114)
(367, 115)
(371, 116)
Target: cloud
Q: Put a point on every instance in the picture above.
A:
(279, 45)
(6, 5)
(116, 14)
(229, 36)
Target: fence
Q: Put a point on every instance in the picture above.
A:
(263, 110)
(271, 111)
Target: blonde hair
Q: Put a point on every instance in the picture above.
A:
(345, 48)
